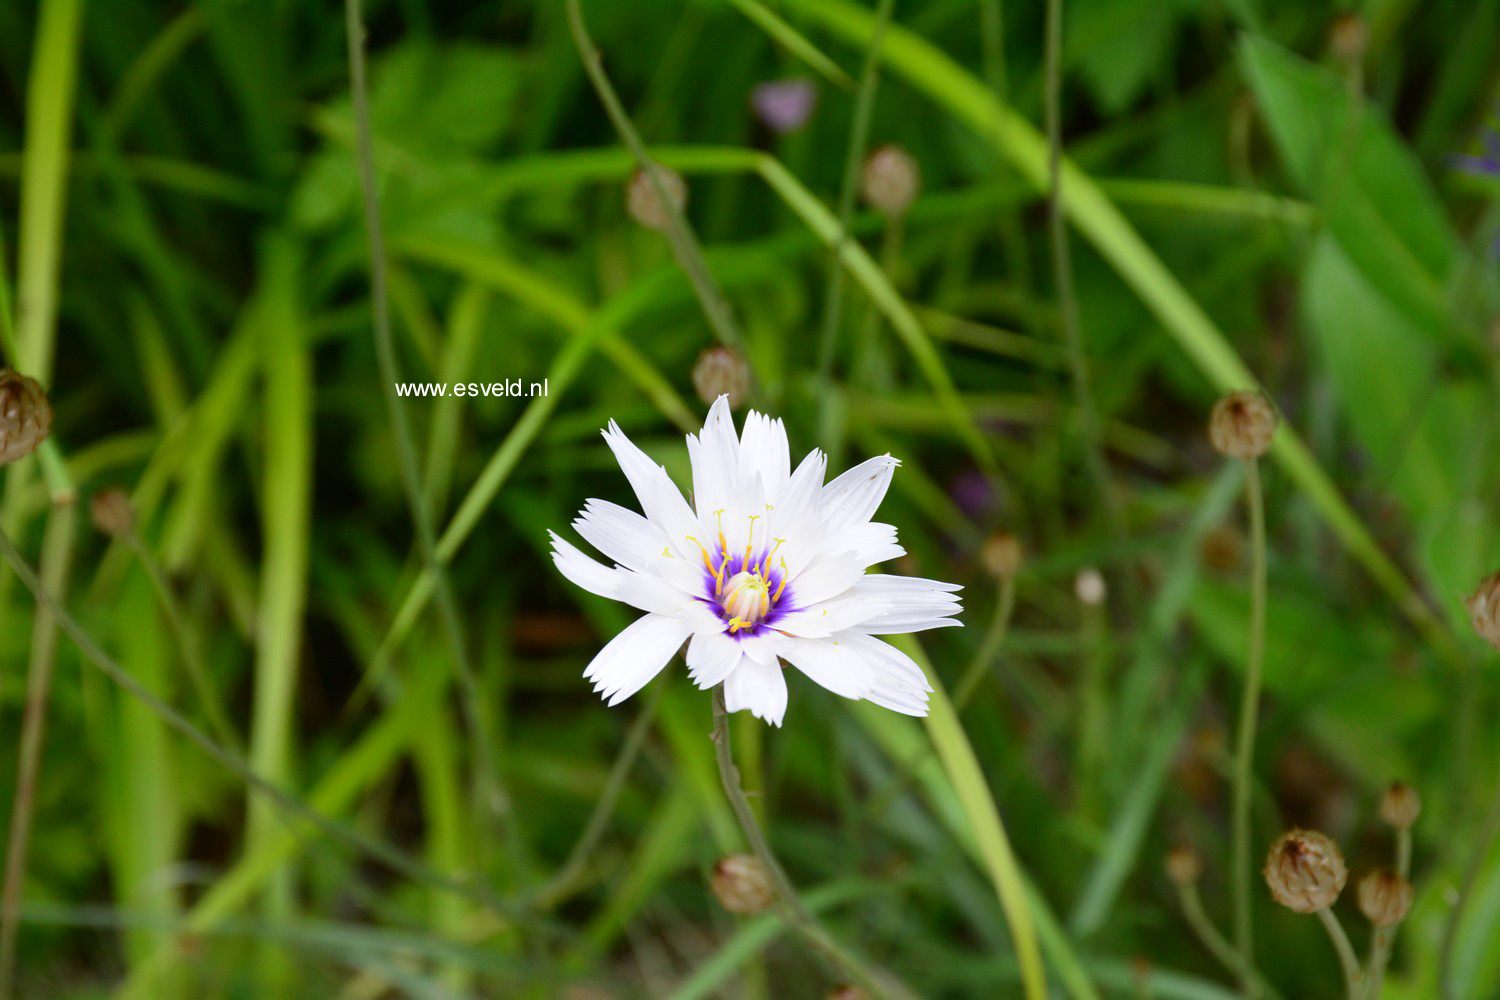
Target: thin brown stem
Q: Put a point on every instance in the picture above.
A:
(57, 547)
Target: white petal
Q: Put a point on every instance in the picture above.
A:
(711, 657)
(856, 666)
(763, 450)
(827, 578)
(715, 454)
(909, 604)
(587, 573)
(636, 655)
(661, 501)
(854, 497)
(871, 542)
(621, 534)
(646, 591)
(760, 687)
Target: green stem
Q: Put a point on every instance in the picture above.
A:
(684, 244)
(859, 135)
(1384, 937)
(980, 666)
(1217, 944)
(1245, 738)
(492, 794)
(57, 549)
(793, 910)
(1347, 961)
(1465, 893)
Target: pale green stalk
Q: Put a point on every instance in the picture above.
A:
(1245, 737)
(1353, 979)
(1208, 935)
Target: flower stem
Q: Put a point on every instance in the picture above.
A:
(1218, 945)
(793, 911)
(1384, 937)
(1347, 961)
(980, 665)
(57, 549)
(1245, 738)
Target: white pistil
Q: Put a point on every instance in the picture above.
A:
(747, 598)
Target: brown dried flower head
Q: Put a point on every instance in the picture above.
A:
(1484, 609)
(112, 512)
(721, 371)
(1400, 806)
(742, 884)
(1349, 38)
(891, 181)
(1183, 865)
(25, 415)
(1305, 871)
(1384, 898)
(645, 205)
(1001, 555)
(1242, 425)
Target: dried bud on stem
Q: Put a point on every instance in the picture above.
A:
(644, 204)
(25, 416)
(1384, 898)
(112, 512)
(1242, 425)
(1349, 38)
(1484, 609)
(1400, 806)
(721, 371)
(1305, 871)
(1089, 586)
(1183, 865)
(1002, 555)
(891, 181)
(742, 884)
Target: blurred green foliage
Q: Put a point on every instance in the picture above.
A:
(213, 357)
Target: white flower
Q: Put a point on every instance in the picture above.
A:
(769, 567)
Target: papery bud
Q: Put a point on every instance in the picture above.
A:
(645, 205)
(1183, 865)
(1001, 555)
(721, 371)
(742, 884)
(1484, 609)
(784, 105)
(1400, 806)
(1242, 425)
(112, 512)
(1349, 38)
(1384, 898)
(891, 181)
(1305, 871)
(25, 415)
(1089, 586)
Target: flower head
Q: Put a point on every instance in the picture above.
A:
(1242, 425)
(769, 564)
(1384, 898)
(784, 105)
(1305, 870)
(1400, 806)
(25, 415)
(742, 884)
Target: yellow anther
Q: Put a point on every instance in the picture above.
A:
(781, 586)
(765, 564)
(708, 563)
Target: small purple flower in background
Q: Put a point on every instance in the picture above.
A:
(1487, 165)
(784, 105)
(769, 565)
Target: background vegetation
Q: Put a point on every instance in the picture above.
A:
(1257, 193)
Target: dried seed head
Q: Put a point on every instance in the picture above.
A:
(112, 512)
(643, 203)
(1384, 898)
(721, 371)
(891, 181)
(1305, 871)
(742, 884)
(1242, 425)
(25, 416)
(1484, 609)
(1183, 865)
(1001, 555)
(1349, 38)
(1400, 806)
(1089, 586)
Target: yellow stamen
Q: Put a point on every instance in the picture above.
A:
(765, 564)
(782, 585)
(708, 563)
(735, 624)
(719, 520)
(750, 542)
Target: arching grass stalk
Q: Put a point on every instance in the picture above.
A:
(492, 794)
(1245, 737)
(790, 904)
(1217, 945)
(1353, 979)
